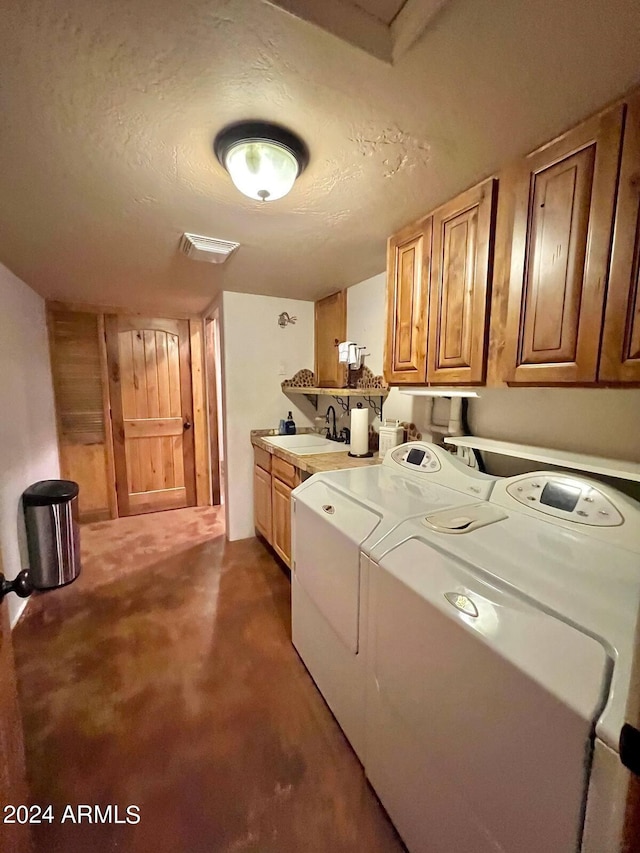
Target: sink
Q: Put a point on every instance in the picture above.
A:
(305, 444)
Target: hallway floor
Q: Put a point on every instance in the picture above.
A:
(165, 678)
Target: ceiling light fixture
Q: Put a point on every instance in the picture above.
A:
(263, 159)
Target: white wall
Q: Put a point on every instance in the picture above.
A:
(599, 421)
(258, 356)
(28, 443)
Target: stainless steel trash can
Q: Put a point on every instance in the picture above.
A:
(53, 532)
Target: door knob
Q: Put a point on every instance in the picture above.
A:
(186, 424)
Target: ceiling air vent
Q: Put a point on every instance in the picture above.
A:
(200, 248)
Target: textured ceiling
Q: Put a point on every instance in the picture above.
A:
(109, 111)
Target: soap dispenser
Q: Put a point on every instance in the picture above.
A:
(290, 425)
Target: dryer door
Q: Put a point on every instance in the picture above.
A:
(480, 710)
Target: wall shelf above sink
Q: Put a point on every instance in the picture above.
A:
(370, 394)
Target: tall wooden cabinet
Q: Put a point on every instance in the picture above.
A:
(330, 330)
(408, 270)
(564, 207)
(460, 286)
(620, 357)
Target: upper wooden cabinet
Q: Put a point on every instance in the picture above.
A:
(561, 304)
(408, 269)
(460, 286)
(330, 330)
(620, 358)
(564, 201)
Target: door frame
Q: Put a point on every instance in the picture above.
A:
(212, 368)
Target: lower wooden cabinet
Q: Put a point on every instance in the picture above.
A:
(281, 519)
(262, 502)
(273, 481)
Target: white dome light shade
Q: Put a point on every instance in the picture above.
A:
(263, 159)
(262, 170)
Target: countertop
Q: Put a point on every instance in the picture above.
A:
(311, 463)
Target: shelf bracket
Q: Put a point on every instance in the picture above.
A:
(342, 402)
(313, 399)
(377, 409)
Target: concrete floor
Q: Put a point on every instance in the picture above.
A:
(165, 678)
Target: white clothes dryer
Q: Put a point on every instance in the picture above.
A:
(499, 650)
(337, 515)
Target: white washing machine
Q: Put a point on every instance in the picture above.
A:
(499, 653)
(334, 516)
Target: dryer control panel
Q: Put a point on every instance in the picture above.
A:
(419, 457)
(566, 498)
(431, 463)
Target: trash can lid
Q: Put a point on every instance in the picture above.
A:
(48, 492)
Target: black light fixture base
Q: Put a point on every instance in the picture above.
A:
(262, 131)
(20, 585)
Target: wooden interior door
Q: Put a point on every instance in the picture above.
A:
(14, 837)
(620, 358)
(408, 268)
(330, 330)
(564, 204)
(152, 412)
(460, 287)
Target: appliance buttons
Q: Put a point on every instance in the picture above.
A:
(535, 485)
(602, 512)
(583, 513)
(531, 497)
(519, 489)
(589, 500)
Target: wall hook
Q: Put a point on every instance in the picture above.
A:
(284, 319)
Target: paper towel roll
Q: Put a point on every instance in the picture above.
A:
(359, 431)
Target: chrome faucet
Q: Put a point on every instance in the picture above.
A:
(331, 434)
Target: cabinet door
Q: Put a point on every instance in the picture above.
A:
(262, 502)
(460, 286)
(564, 201)
(408, 265)
(620, 359)
(281, 503)
(330, 330)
